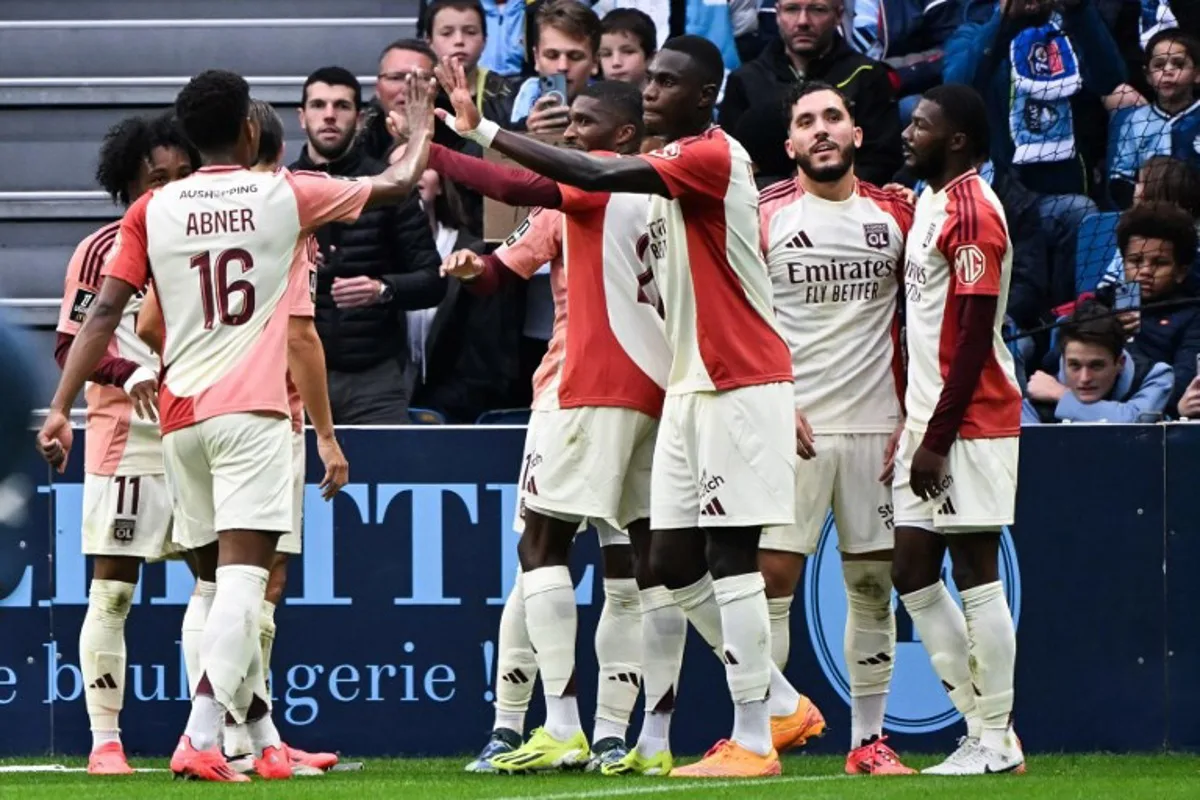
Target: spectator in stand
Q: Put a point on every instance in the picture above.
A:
(1098, 380)
(1172, 59)
(1132, 24)
(1043, 73)
(396, 62)
(628, 40)
(732, 25)
(907, 35)
(567, 43)
(811, 47)
(462, 352)
(369, 271)
(457, 31)
(504, 33)
(1158, 245)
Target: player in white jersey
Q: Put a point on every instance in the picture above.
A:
(835, 248)
(955, 480)
(221, 248)
(126, 507)
(724, 462)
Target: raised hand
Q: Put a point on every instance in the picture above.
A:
(465, 265)
(453, 78)
(417, 120)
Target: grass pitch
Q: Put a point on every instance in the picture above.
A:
(1059, 777)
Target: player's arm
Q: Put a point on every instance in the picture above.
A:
(396, 182)
(572, 167)
(150, 328)
(535, 242)
(306, 362)
(509, 185)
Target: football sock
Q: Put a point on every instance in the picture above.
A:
(516, 667)
(194, 618)
(102, 657)
(619, 656)
(266, 635)
(550, 616)
(870, 645)
(231, 641)
(779, 611)
(993, 653)
(746, 653)
(943, 630)
(664, 634)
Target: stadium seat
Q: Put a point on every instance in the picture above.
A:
(504, 416)
(1095, 247)
(1115, 123)
(425, 416)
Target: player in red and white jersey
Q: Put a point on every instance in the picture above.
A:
(126, 506)
(724, 465)
(835, 249)
(220, 247)
(597, 397)
(955, 481)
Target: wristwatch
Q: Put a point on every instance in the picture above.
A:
(386, 293)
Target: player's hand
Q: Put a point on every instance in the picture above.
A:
(144, 395)
(466, 265)
(805, 447)
(1189, 404)
(547, 116)
(1131, 321)
(889, 455)
(54, 440)
(925, 475)
(453, 78)
(357, 292)
(418, 119)
(337, 469)
(908, 194)
(1044, 388)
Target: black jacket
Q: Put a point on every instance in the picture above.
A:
(1171, 334)
(753, 112)
(391, 243)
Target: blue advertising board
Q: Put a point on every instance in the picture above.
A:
(386, 637)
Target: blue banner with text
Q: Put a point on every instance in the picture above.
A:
(386, 638)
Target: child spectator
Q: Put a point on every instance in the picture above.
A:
(1098, 380)
(1171, 69)
(456, 29)
(504, 33)
(628, 41)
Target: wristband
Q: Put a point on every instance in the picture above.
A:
(483, 134)
(140, 374)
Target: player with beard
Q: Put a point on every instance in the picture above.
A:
(724, 465)
(834, 245)
(955, 483)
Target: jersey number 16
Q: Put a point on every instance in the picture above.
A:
(217, 291)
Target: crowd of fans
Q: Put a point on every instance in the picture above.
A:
(1094, 112)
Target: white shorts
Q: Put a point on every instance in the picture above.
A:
(725, 459)
(843, 476)
(588, 463)
(292, 541)
(127, 515)
(232, 472)
(980, 487)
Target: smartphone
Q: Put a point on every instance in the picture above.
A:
(1127, 297)
(554, 85)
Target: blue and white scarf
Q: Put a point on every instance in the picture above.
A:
(1156, 16)
(1045, 74)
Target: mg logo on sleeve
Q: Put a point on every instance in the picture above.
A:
(917, 703)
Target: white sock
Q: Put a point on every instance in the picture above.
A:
(102, 657)
(199, 604)
(779, 611)
(550, 616)
(993, 654)
(262, 734)
(231, 633)
(619, 655)
(870, 645)
(664, 634)
(516, 667)
(746, 649)
(204, 722)
(236, 740)
(943, 630)
(266, 634)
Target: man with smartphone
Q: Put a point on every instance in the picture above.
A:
(565, 57)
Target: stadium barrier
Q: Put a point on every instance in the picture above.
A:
(386, 641)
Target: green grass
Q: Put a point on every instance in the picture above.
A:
(1058, 777)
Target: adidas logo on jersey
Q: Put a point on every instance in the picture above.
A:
(800, 241)
(713, 508)
(105, 681)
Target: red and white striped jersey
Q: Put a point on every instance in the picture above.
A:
(835, 268)
(958, 246)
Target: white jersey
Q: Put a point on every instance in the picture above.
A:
(959, 246)
(835, 268)
(224, 250)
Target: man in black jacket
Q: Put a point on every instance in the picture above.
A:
(371, 271)
(810, 47)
